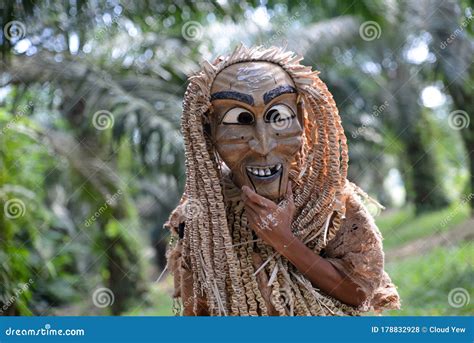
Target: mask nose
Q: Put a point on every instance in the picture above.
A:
(263, 142)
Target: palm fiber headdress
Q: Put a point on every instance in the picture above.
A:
(218, 246)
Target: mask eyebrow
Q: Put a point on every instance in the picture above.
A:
(242, 97)
(270, 95)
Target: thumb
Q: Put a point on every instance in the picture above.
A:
(289, 195)
(289, 191)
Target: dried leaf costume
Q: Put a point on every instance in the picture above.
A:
(219, 265)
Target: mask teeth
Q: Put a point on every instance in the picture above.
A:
(264, 171)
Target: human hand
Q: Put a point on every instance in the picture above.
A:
(271, 222)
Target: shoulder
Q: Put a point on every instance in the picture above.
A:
(175, 222)
(356, 250)
(358, 217)
(358, 231)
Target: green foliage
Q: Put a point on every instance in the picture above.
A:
(425, 282)
(404, 226)
(30, 230)
(158, 301)
(132, 60)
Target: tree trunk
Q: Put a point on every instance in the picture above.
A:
(455, 47)
(121, 255)
(470, 150)
(422, 178)
(427, 191)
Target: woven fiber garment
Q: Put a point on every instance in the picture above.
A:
(220, 267)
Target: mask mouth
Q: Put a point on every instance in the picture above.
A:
(267, 173)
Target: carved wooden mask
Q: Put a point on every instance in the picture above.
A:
(256, 125)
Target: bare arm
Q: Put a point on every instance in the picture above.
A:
(272, 223)
(321, 273)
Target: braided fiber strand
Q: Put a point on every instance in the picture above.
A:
(218, 242)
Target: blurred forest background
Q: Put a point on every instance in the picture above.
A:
(91, 157)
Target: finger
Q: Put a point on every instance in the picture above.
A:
(255, 215)
(289, 199)
(243, 195)
(250, 211)
(289, 190)
(251, 196)
(257, 199)
(258, 218)
(251, 219)
(259, 210)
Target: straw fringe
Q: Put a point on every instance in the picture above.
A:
(218, 242)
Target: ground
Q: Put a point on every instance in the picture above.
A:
(427, 257)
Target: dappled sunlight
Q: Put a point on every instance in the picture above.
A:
(97, 147)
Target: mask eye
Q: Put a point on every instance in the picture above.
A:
(279, 114)
(239, 116)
